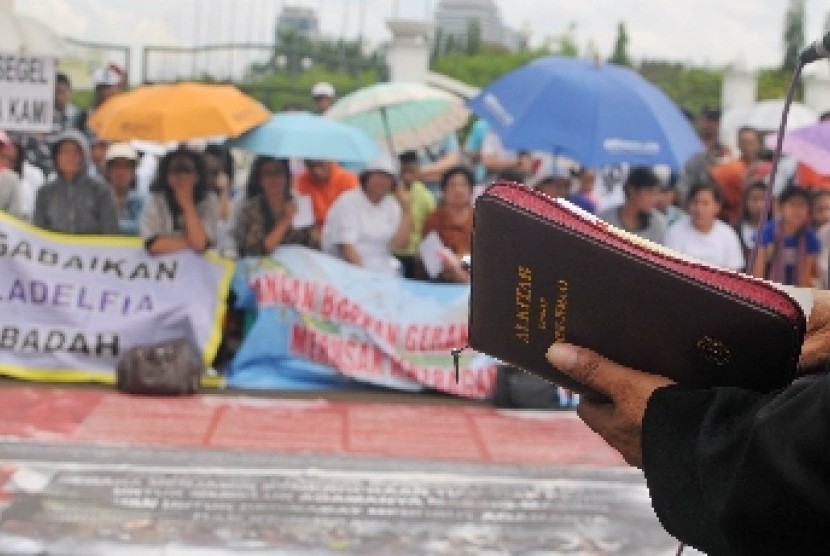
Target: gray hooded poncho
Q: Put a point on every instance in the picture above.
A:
(83, 205)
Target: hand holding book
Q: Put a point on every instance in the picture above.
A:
(620, 421)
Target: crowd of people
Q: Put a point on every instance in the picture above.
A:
(203, 196)
(712, 208)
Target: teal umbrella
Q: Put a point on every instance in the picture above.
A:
(402, 115)
(308, 136)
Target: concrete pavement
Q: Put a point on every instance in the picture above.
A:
(96, 472)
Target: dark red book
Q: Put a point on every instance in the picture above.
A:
(545, 271)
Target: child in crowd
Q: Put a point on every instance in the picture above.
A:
(752, 207)
(584, 196)
(821, 208)
(789, 247)
(667, 200)
(119, 172)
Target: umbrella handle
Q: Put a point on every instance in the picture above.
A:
(386, 127)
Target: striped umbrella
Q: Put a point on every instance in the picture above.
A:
(403, 115)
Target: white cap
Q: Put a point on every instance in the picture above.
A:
(323, 89)
(384, 163)
(196, 145)
(108, 75)
(121, 150)
(663, 173)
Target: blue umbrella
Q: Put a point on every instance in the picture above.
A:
(596, 114)
(308, 136)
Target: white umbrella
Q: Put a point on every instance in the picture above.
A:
(764, 116)
(19, 33)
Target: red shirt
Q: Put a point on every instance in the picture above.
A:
(324, 194)
(456, 236)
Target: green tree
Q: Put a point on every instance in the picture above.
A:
(451, 44)
(488, 65)
(793, 34)
(473, 36)
(689, 87)
(280, 88)
(567, 42)
(620, 55)
(296, 53)
(774, 83)
(298, 62)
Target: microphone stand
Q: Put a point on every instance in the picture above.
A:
(776, 157)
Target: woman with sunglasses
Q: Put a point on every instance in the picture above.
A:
(266, 219)
(181, 212)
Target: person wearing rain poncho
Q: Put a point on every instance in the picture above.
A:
(74, 202)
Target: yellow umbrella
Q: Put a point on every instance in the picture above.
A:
(177, 112)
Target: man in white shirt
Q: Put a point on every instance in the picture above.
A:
(365, 224)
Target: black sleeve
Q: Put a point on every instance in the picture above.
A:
(737, 472)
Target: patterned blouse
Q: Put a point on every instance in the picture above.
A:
(159, 220)
(255, 221)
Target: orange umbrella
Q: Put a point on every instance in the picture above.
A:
(178, 112)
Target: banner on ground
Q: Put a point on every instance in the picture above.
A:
(27, 92)
(325, 323)
(70, 306)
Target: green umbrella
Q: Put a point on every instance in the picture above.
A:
(403, 115)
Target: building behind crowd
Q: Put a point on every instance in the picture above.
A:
(453, 18)
(303, 21)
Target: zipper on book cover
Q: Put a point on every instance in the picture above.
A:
(658, 254)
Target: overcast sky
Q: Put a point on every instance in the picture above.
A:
(700, 31)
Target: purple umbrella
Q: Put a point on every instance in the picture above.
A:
(809, 145)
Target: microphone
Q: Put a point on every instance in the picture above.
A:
(817, 50)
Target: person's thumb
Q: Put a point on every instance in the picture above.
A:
(590, 369)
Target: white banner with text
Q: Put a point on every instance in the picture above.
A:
(27, 92)
(70, 306)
